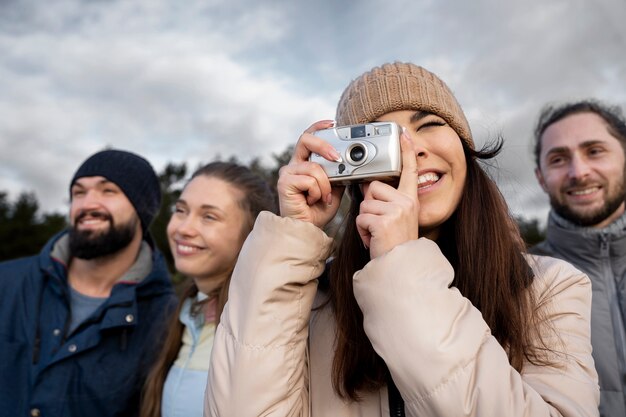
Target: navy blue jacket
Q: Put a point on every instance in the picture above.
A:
(98, 369)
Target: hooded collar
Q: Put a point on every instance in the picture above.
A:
(149, 272)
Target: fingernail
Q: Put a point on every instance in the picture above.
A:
(335, 155)
(329, 199)
(334, 123)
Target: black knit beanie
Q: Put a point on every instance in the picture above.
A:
(133, 174)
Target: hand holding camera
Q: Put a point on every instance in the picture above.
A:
(326, 155)
(388, 215)
(304, 190)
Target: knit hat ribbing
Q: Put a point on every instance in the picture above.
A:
(400, 86)
(133, 174)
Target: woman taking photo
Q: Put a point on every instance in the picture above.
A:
(428, 308)
(211, 220)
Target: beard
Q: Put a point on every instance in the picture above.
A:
(612, 202)
(90, 244)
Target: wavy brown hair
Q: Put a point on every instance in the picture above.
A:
(494, 276)
(257, 196)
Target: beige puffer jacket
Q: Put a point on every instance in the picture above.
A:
(272, 357)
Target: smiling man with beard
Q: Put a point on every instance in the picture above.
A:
(579, 152)
(86, 244)
(82, 320)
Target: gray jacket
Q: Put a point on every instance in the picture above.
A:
(601, 254)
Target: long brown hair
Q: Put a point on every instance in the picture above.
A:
(258, 196)
(494, 276)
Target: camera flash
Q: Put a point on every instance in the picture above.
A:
(383, 130)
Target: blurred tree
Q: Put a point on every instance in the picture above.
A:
(171, 186)
(531, 232)
(4, 208)
(22, 231)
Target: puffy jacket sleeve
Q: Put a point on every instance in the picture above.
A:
(440, 351)
(258, 364)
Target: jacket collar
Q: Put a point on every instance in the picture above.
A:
(616, 228)
(584, 242)
(137, 272)
(149, 273)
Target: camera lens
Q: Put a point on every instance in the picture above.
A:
(357, 154)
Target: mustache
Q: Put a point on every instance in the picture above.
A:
(94, 214)
(577, 183)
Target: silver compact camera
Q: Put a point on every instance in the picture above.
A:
(368, 152)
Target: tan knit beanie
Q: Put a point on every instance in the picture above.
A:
(400, 86)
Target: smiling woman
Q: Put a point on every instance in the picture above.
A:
(427, 306)
(207, 230)
(211, 220)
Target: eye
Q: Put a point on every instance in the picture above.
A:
(556, 160)
(431, 123)
(596, 150)
(78, 193)
(109, 191)
(209, 217)
(179, 210)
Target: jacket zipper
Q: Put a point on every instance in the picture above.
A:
(615, 311)
(396, 403)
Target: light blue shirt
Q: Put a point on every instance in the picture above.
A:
(183, 391)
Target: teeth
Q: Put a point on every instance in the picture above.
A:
(186, 249)
(585, 191)
(91, 221)
(428, 177)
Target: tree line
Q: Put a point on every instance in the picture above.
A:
(24, 230)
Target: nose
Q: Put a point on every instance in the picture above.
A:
(186, 226)
(89, 201)
(419, 145)
(578, 168)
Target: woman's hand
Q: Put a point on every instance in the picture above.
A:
(304, 191)
(388, 216)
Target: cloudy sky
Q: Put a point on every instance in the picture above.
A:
(190, 80)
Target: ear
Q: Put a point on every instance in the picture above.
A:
(540, 179)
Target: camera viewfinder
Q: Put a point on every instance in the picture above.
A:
(357, 131)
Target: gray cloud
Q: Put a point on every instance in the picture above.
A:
(188, 81)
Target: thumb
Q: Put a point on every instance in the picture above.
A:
(408, 176)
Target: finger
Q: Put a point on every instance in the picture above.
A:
(383, 199)
(408, 177)
(298, 184)
(317, 186)
(308, 143)
(313, 194)
(322, 124)
(380, 191)
(375, 207)
(363, 223)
